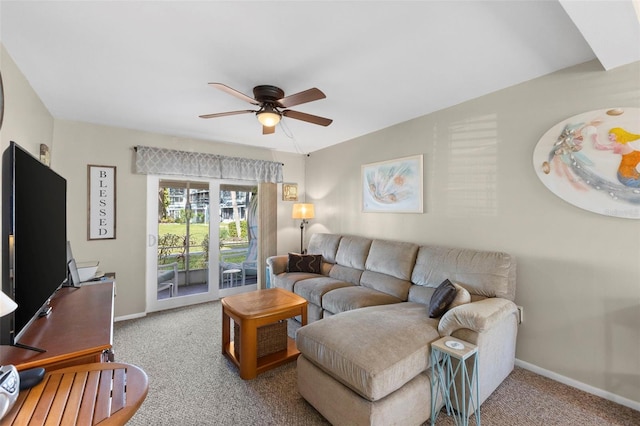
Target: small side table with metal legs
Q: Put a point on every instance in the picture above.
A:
(230, 277)
(451, 378)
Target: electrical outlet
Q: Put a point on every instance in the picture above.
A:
(520, 314)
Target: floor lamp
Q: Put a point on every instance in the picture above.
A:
(303, 211)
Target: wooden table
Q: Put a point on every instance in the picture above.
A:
(104, 393)
(78, 330)
(251, 311)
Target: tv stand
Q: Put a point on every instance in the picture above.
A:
(79, 330)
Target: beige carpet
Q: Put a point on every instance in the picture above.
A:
(191, 383)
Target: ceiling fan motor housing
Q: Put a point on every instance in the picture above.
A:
(268, 94)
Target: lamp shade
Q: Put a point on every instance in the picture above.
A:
(7, 305)
(303, 211)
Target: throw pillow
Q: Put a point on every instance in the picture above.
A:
(311, 263)
(462, 297)
(441, 298)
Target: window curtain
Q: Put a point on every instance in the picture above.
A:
(267, 226)
(161, 161)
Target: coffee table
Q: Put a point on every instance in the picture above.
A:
(253, 310)
(107, 393)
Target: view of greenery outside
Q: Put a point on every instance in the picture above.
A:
(171, 245)
(172, 228)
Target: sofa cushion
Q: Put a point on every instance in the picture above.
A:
(288, 280)
(305, 263)
(441, 298)
(314, 288)
(375, 350)
(386, 284)
(483, 273)
(345, 273)
(354, 297)
(420, 294)
(393, 258)
(353, 251)
(388, 267)
(324, 244)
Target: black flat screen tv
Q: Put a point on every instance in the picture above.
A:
(34, 211)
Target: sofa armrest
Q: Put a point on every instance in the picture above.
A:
(477, 316)
(277, 264)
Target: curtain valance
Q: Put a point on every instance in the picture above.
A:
(161, 161)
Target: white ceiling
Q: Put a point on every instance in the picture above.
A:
(145, 65)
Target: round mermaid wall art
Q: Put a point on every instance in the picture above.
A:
(592, 160)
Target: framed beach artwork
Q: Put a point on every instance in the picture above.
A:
(393, 186)
(592, 160)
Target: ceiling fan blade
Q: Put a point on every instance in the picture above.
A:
(307, 117)
(224, 114)
(301, 98)
(234, 92)
(268, 130)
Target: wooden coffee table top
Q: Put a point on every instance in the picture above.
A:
(262, 303)
(106, 393)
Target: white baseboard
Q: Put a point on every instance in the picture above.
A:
(579, 385)
(128, 317)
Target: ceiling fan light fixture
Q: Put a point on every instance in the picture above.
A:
(268, 116)
(273, 105)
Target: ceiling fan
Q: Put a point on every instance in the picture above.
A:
(272, 103)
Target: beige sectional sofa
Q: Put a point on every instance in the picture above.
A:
(365, 353)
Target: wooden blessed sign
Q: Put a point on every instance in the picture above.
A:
(101, 202)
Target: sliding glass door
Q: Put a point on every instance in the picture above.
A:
(238, 238)
(183, 217)
(178, 253)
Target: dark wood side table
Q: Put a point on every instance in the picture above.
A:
(100, 393)
(253, 310)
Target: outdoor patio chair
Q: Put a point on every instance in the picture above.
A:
(249, 268)
(250, 263)
(168, 278)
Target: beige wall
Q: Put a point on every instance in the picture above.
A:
(75, 145)
(578, 272)
(26, 120)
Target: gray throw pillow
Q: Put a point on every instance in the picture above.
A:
(441, 298)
